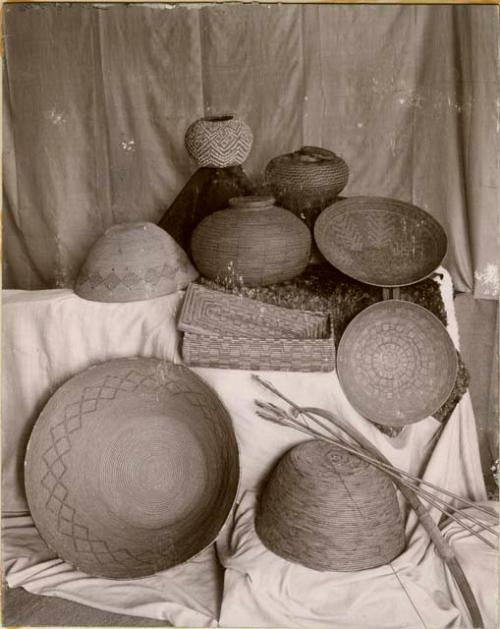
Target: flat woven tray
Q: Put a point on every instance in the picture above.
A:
(284, 354)
(379, 241)
(396, 363)
(207, 311)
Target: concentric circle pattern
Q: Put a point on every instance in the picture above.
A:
(396, 363)
(379, 241)
(132, 468)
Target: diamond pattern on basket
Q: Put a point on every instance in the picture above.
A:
(151, 276)
(57, 502)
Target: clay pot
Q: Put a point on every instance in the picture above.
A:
(307, 180)
(219, 141)
(253, 243)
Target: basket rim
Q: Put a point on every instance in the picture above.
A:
(381, 305)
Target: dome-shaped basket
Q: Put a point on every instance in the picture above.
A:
(327, 509)
(219, 141)
(131, 468)
(131, 262)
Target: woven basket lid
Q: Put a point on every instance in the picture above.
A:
(396, 363)
(131, 262)
(326, 509)
(379, 241)
(131, 468)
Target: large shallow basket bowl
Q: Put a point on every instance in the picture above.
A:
(132, 468)
(328, 510)
(379, 241)
(396, 363)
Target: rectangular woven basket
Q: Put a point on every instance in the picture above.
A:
(208, 311)
(285, 354)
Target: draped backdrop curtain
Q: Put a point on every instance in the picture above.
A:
(97, 100)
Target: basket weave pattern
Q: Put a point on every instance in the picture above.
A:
(131, 262)
(302, 184)
(219, 141)
(328, 510)
(206, 311)
(231, 352)
(396, 363)
(254, 247)
(113, 517)
(384, 242)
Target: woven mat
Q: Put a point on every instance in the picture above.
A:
(323, 288)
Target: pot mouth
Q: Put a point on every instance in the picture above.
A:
(252, 202)
(219, 118)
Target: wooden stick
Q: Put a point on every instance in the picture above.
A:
(279, 416)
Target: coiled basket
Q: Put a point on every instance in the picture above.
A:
(253, 243)
(131, 468)
(307, 180)
(326, 509)
(219, 141)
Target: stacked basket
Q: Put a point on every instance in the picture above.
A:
(228, 331)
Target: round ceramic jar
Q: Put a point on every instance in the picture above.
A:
(252, 243)
(307, 180)
(219, 141)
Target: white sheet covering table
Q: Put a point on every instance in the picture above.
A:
(48, 336)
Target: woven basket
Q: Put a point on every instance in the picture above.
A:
(326, 509)
(396, 363)
(132, 468)
(285, 354)
(207, 311)
(134, 261)
(219, 141)
(379, 241)
(307, 180)
(253, 243)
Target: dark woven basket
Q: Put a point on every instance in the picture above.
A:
(307, 180)
(253, 243)
(380, 241)
(326, 509)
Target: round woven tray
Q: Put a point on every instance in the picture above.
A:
(132, 468)
(396, 363)
(379, 241)
(328, 510)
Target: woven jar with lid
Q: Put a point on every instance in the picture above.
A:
(252, 243)
(307, 180)
(326, 509)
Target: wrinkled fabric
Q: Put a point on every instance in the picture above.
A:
(97, 101)
(414, 591)
(49, 336)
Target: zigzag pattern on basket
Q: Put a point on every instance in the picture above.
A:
(215, 143)
(68, 521)
(112, 280)
(380, 241)
(211, 311)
